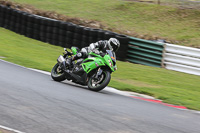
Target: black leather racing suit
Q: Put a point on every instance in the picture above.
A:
(100, 46)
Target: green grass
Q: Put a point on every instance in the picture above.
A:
(28, 52)
(170, 86)
(171, 23)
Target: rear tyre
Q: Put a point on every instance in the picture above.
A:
(100, 83)
(57, 74)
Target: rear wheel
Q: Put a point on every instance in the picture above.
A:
(100, 83)
(57, 74)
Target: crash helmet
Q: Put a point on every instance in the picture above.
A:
(113, 44)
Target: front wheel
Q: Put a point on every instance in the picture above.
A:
(57, 74)
(100, 83)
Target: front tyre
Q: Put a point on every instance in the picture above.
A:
(57, 74)
(100, 83)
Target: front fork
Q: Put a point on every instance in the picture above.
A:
(99, 72)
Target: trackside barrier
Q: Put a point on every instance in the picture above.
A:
(57, 32)
(145, 52)
(182, 50)
(135, 50)
(182, 59)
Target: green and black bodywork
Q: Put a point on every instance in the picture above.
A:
(94, 71)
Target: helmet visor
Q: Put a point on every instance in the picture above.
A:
(114, 46)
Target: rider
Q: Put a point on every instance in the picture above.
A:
(103, 45)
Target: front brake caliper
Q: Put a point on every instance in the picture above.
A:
(99, 72)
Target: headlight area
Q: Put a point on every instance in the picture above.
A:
(110, 63)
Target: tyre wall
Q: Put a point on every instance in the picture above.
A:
(135, 50)
(56, 32)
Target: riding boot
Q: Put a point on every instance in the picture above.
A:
(69, 60)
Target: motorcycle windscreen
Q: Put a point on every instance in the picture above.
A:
(112, 56)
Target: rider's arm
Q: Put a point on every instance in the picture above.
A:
(93, 46)
(99, 45)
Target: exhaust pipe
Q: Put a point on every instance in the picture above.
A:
(62, 62)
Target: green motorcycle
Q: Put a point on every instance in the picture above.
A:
(94, 71)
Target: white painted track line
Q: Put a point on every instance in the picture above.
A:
(10, 129)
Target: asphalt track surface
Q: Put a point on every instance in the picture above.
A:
(32, 102)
